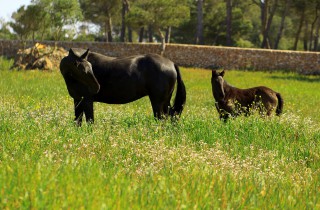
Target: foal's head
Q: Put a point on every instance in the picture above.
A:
(217, 82)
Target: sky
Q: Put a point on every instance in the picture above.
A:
(9, 6)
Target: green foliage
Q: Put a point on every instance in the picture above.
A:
(103, 13)
(158, 13)
(5, 64)
(62, 13)
(85, 37)
(98, 11)
(244, 43)
(20, 26)
(45, 19)
(128, 160)
(5, 32)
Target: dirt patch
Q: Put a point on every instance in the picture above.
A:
(42, 57)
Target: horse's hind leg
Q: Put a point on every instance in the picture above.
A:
(157, 107)
(167, 109)
(78, 111)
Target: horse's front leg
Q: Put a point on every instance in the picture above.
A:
(78, 111)
(88, 109)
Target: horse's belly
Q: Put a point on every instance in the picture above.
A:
(118, 100)
(119, 96)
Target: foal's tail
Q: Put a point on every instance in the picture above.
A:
(280, 104)
(180, 98)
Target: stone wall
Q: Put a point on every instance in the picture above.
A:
(196, 56)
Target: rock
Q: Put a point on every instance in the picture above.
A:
(40, 57)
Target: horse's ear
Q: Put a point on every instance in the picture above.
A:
(71, 52)
(85, 55)
(222, 73)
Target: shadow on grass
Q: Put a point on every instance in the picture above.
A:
(297, 78)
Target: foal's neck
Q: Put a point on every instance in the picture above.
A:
(226, 86)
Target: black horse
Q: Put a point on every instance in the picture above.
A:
(234, 101)
(93, 77)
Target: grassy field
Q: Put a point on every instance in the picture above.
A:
(128, 160)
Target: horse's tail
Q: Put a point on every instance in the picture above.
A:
(280, 104)
(180, 98)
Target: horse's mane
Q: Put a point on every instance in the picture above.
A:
(228, 84)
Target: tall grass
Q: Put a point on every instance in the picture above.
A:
(128, 160)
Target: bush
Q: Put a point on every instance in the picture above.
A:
(244, 43)
(5, 63)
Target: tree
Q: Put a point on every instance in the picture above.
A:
(299, 6)
(229, 22)
(30, 21)
(61, 14)
(101, 12)
(314, 31)
(283, 17)
(38, 21)
(199, 31)
(20, 24)
(158, 14)
(268, 9)
(124, 11)
(5, 32)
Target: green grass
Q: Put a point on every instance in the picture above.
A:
(128, 160)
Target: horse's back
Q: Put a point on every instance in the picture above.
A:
(126, 79)
(158, 63)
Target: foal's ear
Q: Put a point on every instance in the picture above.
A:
(222, 73)
(214, 73)
(85, 55)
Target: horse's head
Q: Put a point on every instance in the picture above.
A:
(217, 85)
(77, 67)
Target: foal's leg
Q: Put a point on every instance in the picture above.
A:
(269, 108)
(224, 116)
(78, 111)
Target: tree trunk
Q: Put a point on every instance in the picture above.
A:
(150, 34)
(168, 34)
(267, 26)
(302, 17)
(124, 11)
(199, 32)
(141, 34)
(264, 15)
(316, 36)
(283, 18)
(43, 30)
(123, 22)
(106, 31)
(311, 32)
(109, 29)
(129, 34)
(229, 22)
(305, 38)
(33, 36)
(163, 43)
